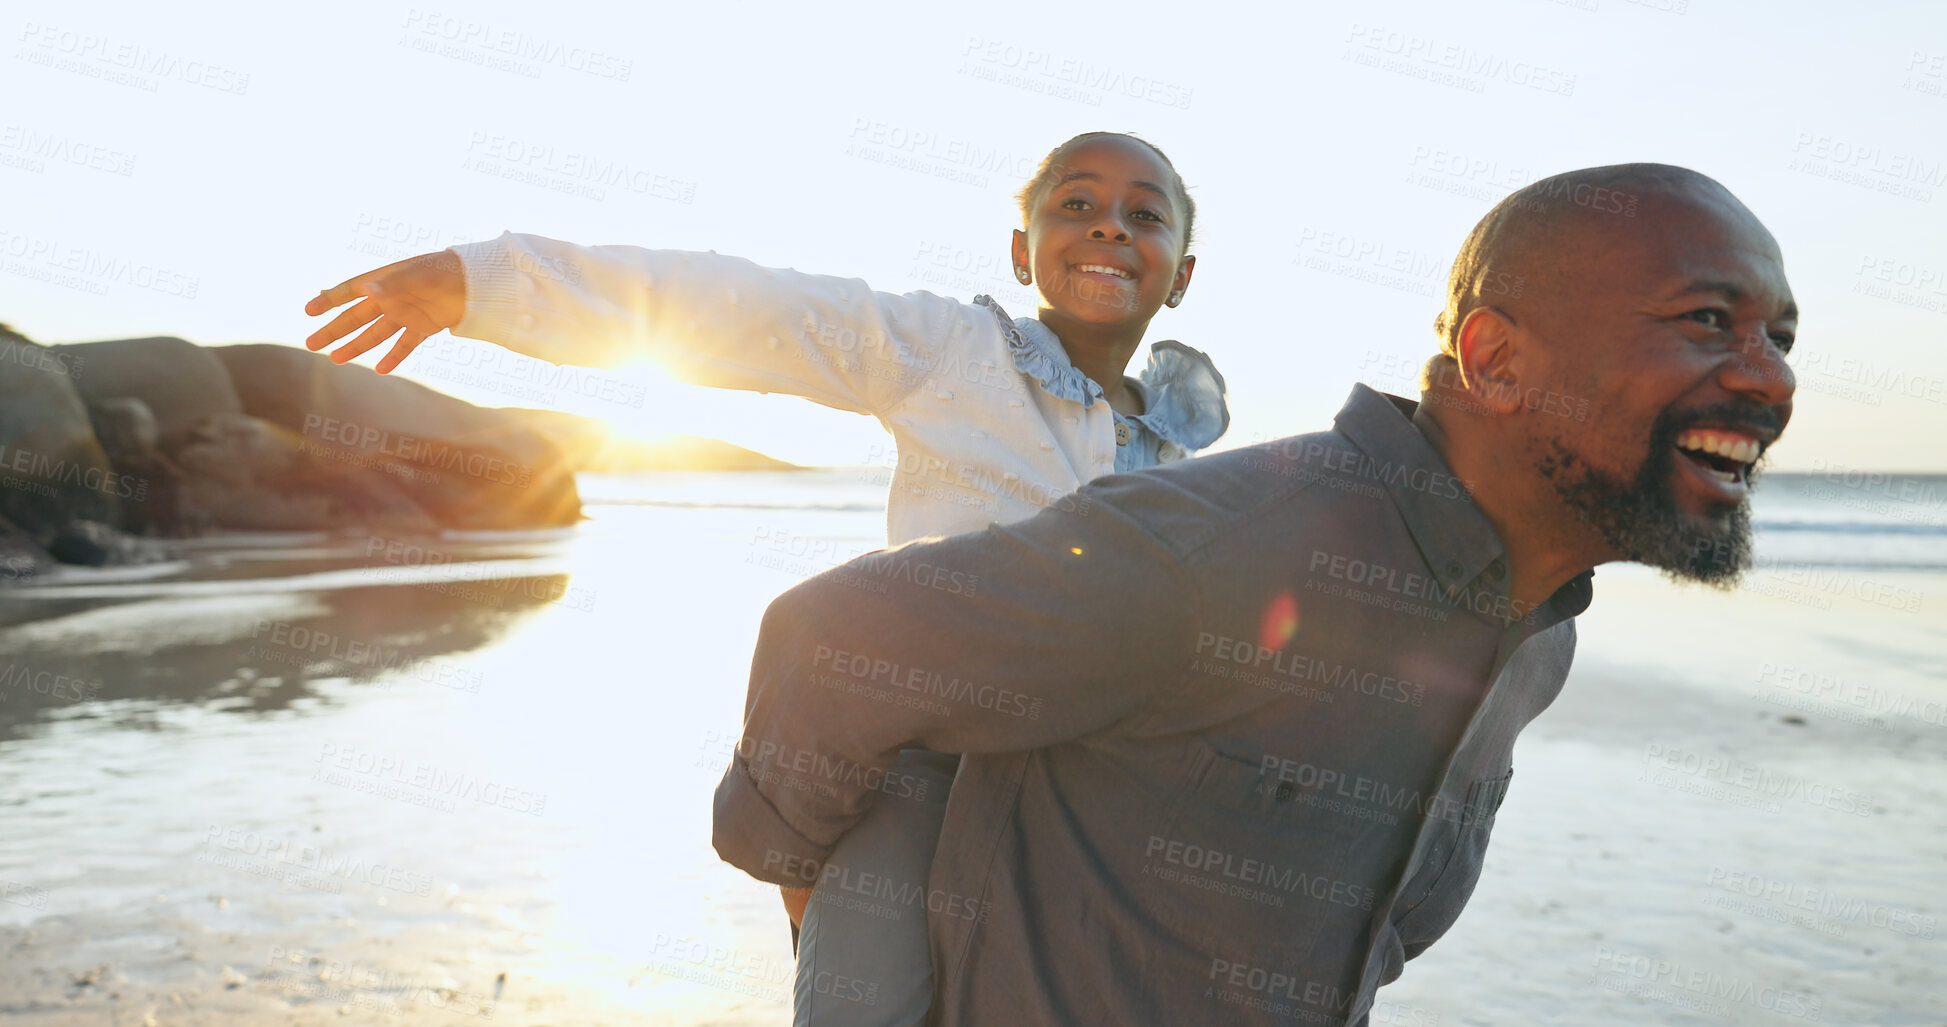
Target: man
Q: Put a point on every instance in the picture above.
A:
(1234, 731)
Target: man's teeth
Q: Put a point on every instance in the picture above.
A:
(1743, 451)
(1103, 270)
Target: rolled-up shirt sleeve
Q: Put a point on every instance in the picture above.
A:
(1009, 639)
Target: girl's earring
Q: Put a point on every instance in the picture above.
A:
(1021, 272)
(1175, 298)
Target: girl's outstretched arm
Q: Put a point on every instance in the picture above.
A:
(708, 319)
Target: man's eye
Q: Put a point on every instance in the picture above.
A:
(1075, 203)
(1784, 341)
(1147, 214)
(1711, 316)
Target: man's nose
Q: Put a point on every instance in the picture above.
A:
(1758, 371)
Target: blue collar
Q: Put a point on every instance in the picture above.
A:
(1182, 391)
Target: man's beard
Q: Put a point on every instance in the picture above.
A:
(1641, 519)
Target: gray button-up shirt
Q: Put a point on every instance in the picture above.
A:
(1233, 731)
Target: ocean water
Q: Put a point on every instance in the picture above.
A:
(1852, 519)
(439, 763)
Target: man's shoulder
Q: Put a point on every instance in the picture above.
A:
(1190, 503)
(1248, 477)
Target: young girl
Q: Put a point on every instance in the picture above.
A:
(994, 417)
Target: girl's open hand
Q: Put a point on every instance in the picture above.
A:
(420, 296)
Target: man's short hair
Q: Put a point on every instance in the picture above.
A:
(1527, 233)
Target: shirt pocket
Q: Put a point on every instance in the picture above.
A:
(1433, 898)
(1244, 869)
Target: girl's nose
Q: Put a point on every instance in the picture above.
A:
(1110, 226)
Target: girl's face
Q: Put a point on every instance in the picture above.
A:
(1105, 238)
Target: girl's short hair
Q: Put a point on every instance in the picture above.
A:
(1045, 174)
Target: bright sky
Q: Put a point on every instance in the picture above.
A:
(202, 173)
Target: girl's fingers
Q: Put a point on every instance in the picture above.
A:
(342, 293)
(342, 325)
(401, 349)
(322, 301)
(349, 289)
(371, 337)
(422, 296)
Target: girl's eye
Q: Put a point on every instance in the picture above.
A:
(1075, 203)
(1147, 214)
(1711, 316)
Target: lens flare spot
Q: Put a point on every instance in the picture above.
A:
(1280, 622)
(1077, 550)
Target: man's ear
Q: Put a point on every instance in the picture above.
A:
(1489, 352)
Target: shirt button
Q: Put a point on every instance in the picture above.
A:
(1286, 792)
(1121, 434)
(1072, 419)
(1453, 568)
(1048, 445)
(1497, 570)
(980, 435)
(944, 394)
(1014, 404)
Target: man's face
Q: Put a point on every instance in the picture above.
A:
(1675, 330)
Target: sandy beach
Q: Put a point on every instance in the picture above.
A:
(295, 789)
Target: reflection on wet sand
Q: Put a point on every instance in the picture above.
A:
(253, 654)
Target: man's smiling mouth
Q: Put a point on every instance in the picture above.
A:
(1721, 453)
(1104, 269)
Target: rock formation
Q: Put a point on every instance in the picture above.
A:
(52, 469)
(105, 446)
(469, 467)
